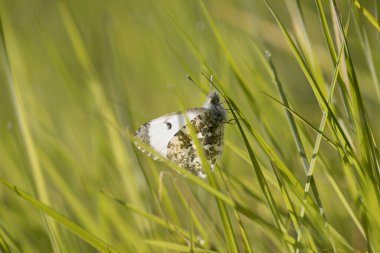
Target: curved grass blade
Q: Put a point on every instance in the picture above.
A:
(174, 246)
(304, 121)
(68, 224)
(153, 218)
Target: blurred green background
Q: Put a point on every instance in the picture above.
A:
(76, 76)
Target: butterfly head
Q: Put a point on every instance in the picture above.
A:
(217, 110)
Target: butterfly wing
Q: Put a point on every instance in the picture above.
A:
(209, 132)
(158, 132)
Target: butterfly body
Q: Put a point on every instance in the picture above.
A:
(170, 135)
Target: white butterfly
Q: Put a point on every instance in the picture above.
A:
(169, 135)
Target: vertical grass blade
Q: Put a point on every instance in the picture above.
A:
(28, 141)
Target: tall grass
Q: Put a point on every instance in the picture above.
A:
(300, 167)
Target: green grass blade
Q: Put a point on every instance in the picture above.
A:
(368, 150)
(71, 226)
(4, 247)
(28, 141)
(263, 184)
(368, 51)
(346, 149)
(373, 21)
(243, 231)
(304, 121)
(175, 247)
(150, 217)
(225, 217)
(88, 75)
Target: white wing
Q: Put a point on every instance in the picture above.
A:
(158, 132)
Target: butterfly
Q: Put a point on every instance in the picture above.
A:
(169, 135)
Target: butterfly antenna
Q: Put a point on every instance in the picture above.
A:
(195, 83)
(188, 76)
